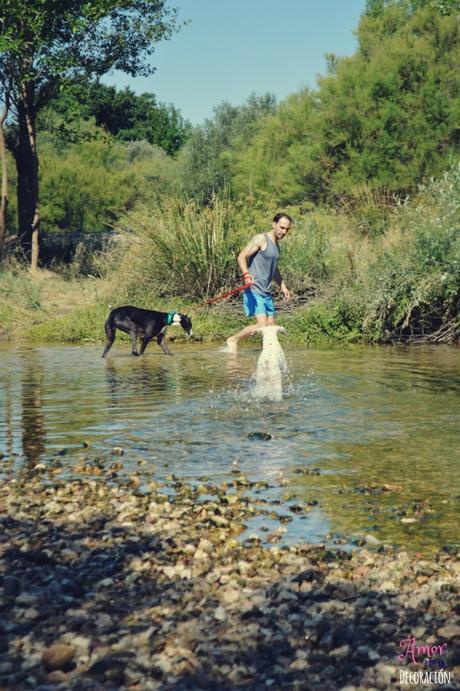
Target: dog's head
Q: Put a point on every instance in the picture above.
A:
(184, 321)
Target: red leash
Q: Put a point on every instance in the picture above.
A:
(225, 295)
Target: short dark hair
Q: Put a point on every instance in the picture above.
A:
(281, 215)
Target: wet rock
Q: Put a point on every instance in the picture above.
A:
(299, 665)
(388, 586)
(27, 599)
(260, 436)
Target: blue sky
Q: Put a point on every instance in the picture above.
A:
(232, 48)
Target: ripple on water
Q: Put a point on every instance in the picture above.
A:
(363, 416)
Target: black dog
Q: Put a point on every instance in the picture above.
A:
(144, 324)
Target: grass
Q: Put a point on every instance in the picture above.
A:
(62, 310)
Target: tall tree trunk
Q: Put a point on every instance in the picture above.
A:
(4, 164)
(27, 167)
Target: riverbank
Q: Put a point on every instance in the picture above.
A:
(47, 307)
(118, 581)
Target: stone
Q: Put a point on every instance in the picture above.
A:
(341, 652)
(220, 614)
(26, 599)
(57, 656)
(299, 664)
(449, 631)
(371, 540)
(230, 596)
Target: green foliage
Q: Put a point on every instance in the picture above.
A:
(206, 158)
(13, 282)
(123, 114)
(60, 40)
(413, 286)
(305, 254)
(282, 159)
(386, 118)
(21, 297)
(390, 112)
(369, 210)
(45, 44)
(444, 7)
(86, 186)
(333, 321)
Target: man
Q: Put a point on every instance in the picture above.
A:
(258, 262)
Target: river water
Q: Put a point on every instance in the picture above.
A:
(366, 439)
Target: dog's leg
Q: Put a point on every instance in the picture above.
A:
(144, 343)
(161, 342)
(133, 342)
(110, 332)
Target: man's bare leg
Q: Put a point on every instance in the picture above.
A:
(232, 341)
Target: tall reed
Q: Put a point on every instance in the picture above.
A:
(180, 248)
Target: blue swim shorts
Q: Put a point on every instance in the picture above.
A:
(254, 303)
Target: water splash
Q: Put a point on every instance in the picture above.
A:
(271, 366)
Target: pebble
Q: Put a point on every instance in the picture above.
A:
(147, 590)
(57, 656)
(230, 596)
(449, 632)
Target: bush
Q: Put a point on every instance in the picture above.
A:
(414, 285)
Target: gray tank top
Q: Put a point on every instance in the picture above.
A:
(262, 266)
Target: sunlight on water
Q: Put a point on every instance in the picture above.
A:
(366, 438)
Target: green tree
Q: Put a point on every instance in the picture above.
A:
(386, 117)
(46, 43)
(124, 114)
(205, 159)
(283, 160)
(87, 184)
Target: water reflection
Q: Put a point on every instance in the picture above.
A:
(135, 379)
(7, 416)
(33, 420)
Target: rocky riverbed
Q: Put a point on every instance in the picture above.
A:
(116, 581)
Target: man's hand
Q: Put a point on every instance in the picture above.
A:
(247, 278)
(285, 291)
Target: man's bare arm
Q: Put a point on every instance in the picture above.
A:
(257, 243)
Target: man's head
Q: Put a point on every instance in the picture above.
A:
(281, 225)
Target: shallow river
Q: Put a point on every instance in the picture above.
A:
(365, 439)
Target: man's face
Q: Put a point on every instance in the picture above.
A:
(281, 228)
